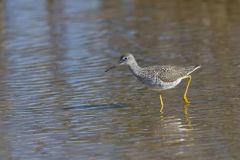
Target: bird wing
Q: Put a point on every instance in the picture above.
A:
(168, 73)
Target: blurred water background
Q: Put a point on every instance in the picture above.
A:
(57, 103)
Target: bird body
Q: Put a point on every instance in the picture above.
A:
(151, 77)
(159, 77)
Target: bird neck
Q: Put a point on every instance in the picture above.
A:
(134, 67)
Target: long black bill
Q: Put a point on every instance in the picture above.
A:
(112, 67)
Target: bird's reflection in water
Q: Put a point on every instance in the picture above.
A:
(187, 123)
(186, 116)
(174, 129)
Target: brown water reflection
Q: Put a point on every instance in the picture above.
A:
(57, 102)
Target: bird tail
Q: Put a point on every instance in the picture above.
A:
(192, 69)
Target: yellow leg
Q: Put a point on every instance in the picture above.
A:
(189, 77)
(161, 102)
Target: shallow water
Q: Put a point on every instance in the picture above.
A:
(58, 103)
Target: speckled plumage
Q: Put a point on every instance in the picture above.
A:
(160, 77)
(169, 73)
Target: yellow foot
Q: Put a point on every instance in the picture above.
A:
(161, 110)
(161, 102)
(186, 100)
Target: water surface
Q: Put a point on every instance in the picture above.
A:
(58, 103)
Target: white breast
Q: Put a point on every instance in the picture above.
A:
(160, 85)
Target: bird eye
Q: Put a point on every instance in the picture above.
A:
(123, 58)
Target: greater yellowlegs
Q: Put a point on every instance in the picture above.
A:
(158, 78)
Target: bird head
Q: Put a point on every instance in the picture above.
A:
(126, 59)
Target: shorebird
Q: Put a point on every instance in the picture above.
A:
(159, 77)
